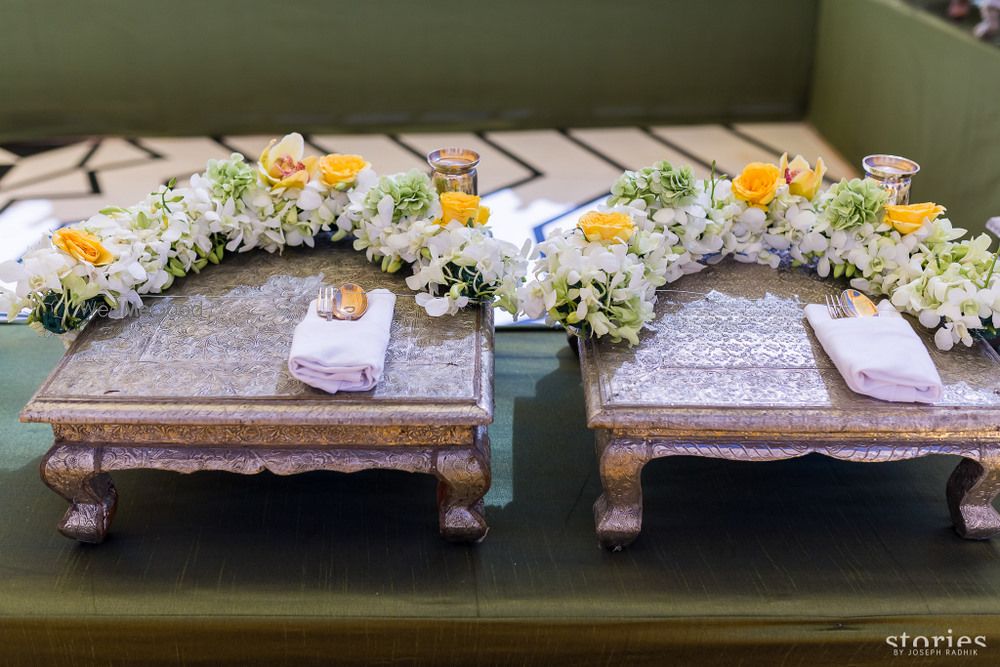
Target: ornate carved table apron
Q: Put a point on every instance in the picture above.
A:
(734, 371)
(199, 381)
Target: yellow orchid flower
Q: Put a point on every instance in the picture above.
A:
(802, 179)
(281, 164)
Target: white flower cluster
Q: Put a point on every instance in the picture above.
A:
(606, 286)
(273, 219)
(609, 288)
(107, 262)
(401, 222)
(172, 232)
(947, 283)
(603, 289)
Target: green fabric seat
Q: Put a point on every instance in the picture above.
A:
(805, 562)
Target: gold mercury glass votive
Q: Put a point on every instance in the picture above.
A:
(893, 173)
(454, 170)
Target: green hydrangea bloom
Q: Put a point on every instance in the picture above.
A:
(411, 194)
(230, 178)
(854, 203)
(661, 184)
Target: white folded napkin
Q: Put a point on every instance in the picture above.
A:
(878, 356)
(342, 355)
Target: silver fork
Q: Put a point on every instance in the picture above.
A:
(325, 303)
(835, 308)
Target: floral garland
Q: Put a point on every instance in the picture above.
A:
(106, 263)
(454, 257)
(660, 223)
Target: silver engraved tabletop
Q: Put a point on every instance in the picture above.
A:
(199, 380)
(732, 370)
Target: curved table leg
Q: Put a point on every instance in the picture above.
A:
(73, 471)
(464, 476)
(971, 490)
(618, 511)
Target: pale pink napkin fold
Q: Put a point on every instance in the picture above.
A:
(879, 356)
(339, 355)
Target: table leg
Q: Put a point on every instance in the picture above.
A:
(464, 475)
(618, 512)
(73, 471)
(971, 490)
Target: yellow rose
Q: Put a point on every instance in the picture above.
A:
(911, 217)
(281, 164)
(462, 207)
(82, 246)
(336, 169)
(606, 226)
(757, 184)
(802, 180)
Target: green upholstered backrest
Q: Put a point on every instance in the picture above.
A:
(891, 78)
(248, 66)
(240, 66)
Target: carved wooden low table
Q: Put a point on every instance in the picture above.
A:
(199, 381)
(734, 371)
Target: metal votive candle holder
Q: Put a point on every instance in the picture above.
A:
(893, 173)
(454, 170)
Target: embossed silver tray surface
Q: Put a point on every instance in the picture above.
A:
(732, 369)
(216, 347)
(199, 380)
(731, 346)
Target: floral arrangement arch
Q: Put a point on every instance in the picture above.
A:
(660, 223)
(108, 262)
(598, 279)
